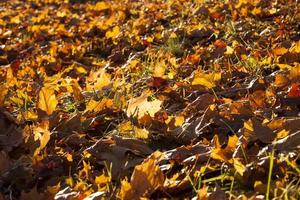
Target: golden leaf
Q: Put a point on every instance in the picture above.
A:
(141, 133)
(97, 106)
(42, 134)
(113, 33)
(296, 47)
(69, 181)
(229, 50)
(282, 134)
(47, 100)
(98, 80)
(101, 6)
(140, 106)
(159, 69)
(127, 128)
(238, 166)
(53, 189)
(208, 80)
(145, 179)
(102, 180)
(3, 92)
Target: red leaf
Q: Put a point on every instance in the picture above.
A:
(294, 90)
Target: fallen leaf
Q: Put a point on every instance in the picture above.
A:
(140, 106)
(279, 51)
(5, 162)
(3, 92)
(145, 179)
(10, 135)
(113, 33)
(208, 80)
(294, 91)
(47, 100)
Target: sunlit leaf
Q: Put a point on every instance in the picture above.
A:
(47, 100)
(208, 80)
(145, 178)
(113, 33)
(140, 106)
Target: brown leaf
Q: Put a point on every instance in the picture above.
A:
(10, 135)
(217, 194)
(121, 153)
(289, 143)
(253, 130)
(4, 162)
(34, 194)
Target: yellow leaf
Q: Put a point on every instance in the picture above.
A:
(69, 157)
(47, 100)
(15, 20)
(102, 180)
(159, 69)
(281, 80)
(229, 50)
(69, 181)
(238, 166)
(284, 66)
(141, 133)
(98, 106)
(81, 70)
(85, 172)
(127, 128)
(53, 189)
(113, 33)
(140, 106)
(179, 120)
(282, 134)
(98, 80)
(101, 6)
(232, 142)
(208, 80)
(296, 47)
(41, 133)
(248, 125)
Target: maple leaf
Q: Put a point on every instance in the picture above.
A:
(140, 106)
(145, 179)
(208, 80)
(47, 100)
(98, 80)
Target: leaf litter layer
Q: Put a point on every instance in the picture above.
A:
(149, 99)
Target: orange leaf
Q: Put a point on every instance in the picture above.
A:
(279, 51)
(145, 179)
(294, 90)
